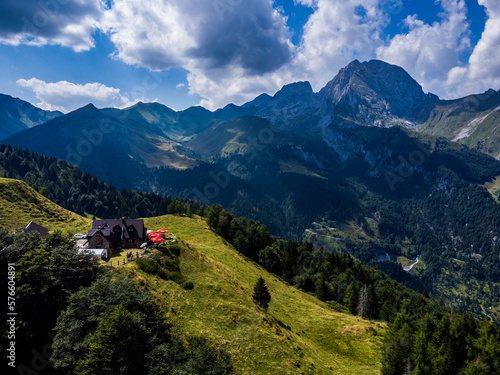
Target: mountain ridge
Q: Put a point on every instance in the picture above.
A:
(17, 115)
(370, 93)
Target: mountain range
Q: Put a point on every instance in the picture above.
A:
(370, 164)
(17, 115)
(371, 93)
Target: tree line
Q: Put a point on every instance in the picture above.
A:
(78, 317)
(335, 277)
(424, 335)
(78, 191)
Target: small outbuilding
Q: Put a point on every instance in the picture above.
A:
(100, 253)
(34, 227)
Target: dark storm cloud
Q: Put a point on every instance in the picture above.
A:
(43, 18)
(249, 34)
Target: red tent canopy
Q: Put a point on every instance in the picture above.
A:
(162, 231)
(152, 235)
(158, 239)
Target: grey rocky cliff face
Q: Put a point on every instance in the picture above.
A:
(371, 93)
(294, 106)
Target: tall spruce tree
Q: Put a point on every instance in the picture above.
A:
(261, 294)
(351, 298)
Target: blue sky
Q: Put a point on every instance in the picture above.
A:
(63, 54)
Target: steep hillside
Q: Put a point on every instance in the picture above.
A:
(473, 121)
(235, 137)
(298, 333)
(77, 191)
(17, 115)
(20, 204)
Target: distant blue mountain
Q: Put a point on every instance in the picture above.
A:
(17, 115)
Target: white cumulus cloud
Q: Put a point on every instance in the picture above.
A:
(229, 47)
(69, 23)
(429, 52)
(233, 50)
(335, 34)
(483, 68)
(66, 96)
(162, 34)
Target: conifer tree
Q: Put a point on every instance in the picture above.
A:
(351, 298)
(321, 289)
(261, 294)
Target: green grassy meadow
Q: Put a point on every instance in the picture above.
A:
(298, 334)
(20, 204)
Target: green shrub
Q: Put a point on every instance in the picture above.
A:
(188, 285)
(170, 264)
(163, 266)
(175, 276)
(167, 262)
(164, 249)
(175, 249)
(152, 267)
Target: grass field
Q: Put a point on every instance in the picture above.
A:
(298, 334)
(494, 188)
(20, 204)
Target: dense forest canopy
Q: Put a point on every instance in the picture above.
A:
(81, 317)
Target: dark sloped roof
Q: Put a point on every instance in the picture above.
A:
(34, 227)
(107, 228)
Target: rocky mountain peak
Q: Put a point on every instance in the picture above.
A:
(89, 111)
(293, 92)
(296, 90)
(374, 89)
